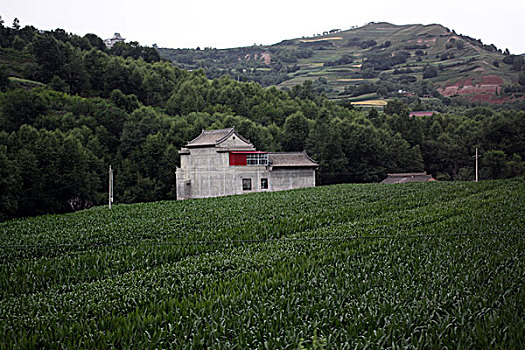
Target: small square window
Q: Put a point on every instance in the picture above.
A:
(264, 184)
(246, 184)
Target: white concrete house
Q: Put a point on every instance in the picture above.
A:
(222, 162)
(117, 38)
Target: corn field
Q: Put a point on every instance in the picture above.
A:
(428, 265)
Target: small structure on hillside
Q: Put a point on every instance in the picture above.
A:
(422, 113)
(401, 178)
(112, 41)
(222, 162)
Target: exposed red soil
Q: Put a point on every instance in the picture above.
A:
(488, 98)
(265, 56)
(483, 91)
(426, 41)
(491, 80)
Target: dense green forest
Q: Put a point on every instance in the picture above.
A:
(70, 107)
(244, 64)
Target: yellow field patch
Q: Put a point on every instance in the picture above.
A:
(357, 79)
(370, 103)
(312, 65)
(320, 39)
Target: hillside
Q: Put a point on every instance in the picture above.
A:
(428, 265)
(376, 61)
(70, 107)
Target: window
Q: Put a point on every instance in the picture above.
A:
(246, 184)
(264, 184)
(257, 159)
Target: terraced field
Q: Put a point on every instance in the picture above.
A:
(430, 265)
(377, 57)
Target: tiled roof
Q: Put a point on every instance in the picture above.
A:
(213, 137)
(407, 177)
(209, 137)
(291, 159)
(422, 113)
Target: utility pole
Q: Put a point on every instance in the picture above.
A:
(110, 186)
(476, 156)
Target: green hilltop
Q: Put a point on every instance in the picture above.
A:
(375, 61)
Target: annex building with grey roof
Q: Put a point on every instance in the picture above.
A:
(222, 162)
(401, 178)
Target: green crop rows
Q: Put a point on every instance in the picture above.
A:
(435, 265)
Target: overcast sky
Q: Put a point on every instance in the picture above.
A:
(235, 23)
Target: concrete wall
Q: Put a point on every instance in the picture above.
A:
(205, 172)
(289, 178)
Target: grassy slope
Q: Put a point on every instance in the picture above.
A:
(16, 62)
(399, 36)
(468, 62)
(101, 278)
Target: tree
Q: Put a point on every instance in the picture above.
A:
(494, 163)
(188, 99)
(117, 75)
(74, 73)
(79, 42)
(95, 63)
(16, 24)
(373, 114)
(324, 144)
(401, 157)
(152, 87)
(395, 106)
(409, 128)
(429, 72)
(304, 91)
(129, 103)
(9, 184)
(363, 150)
(4, 78)
(141, 123)
(50, 54)
(521, 79)
(79, 173)
(515, 166)
(58, 84)
(21, 107)
(295, 133)
(60, 34)
(53, 172)
(95, 41)
(518, 63)
(150, 55)
(18, 43)
(504, 131)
